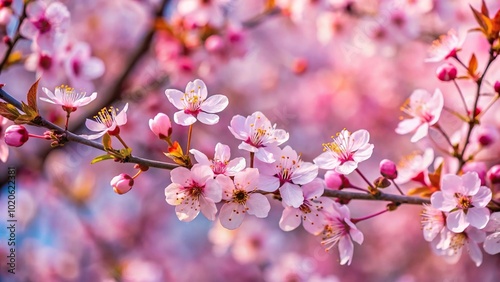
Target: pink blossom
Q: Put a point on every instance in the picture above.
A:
(241, 198)
(220, 164)
(493, 174)
(194, 105)
(424, 111)
(286, 173)
(465, 200)
(346, 151)
(415, 167)
(492, 241)
(446, 72)
(4, 148)
(68, 98)
(161, 126)
(202, 13)
(450, 244)
(310, 212)
(445, 47)
(45, 23)
(388, 169)
(16, 135)
(81, 67)
(192, 191)
(122, 183)
(48, 64)
(107, 121)
(340, 229)
(258, 135)
(433, 222)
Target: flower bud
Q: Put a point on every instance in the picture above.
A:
(494, 174)
(388, 169)
(5, 16)
(446, 72)
(299, 65)
(16, 135)
(122, 183)
(497, 87)
(479, 168)
(161, 126)
(214, 44)
(382, 182)
(487, 135)
(335, 180)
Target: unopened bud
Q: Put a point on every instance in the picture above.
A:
(388, 169)
(161, 126)
(494, 174)
(336, 181)
(214, 44)
(497, 86)
(446, 72)
(487, 135)
(16, 135)
(122, 183)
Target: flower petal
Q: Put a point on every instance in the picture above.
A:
(236, 165)
(346, 249)
(492, 244)
(258, 205)
(478, 217)
(231, 215)
(456, 221)
(268, 183)
(305, 173)
(176, 98)
(200, 157)
(290, 219)
(209, 119)
(184, 119)
(326, 161)
(121, 117)
(291, 195)
(215, 104)
(208, 208)
(421, 132)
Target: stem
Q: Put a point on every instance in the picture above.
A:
(460, 62)
(461, 95)
(16, 38)
(397, 187)
(489, 105)
(37, 136)
(121, 141)
(356, 220)
(465, 119)
(68, 113)
(190, 132)
(365, 179)
(252, 157)
(438, 128)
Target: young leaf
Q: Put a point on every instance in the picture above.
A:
(106, 142)
(472, 65)
(31, 96)
(483, 21)
(484, 9)
(101, 158)
(9, 111)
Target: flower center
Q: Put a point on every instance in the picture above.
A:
(463, 202)
(218, 167)
(305, 207)
(240, 196)
(340, 147)
(192, 103)
(107, 117)
(45, 62)
(43, 25)
(195, 190)
(457, 241)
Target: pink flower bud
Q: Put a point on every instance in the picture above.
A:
(16, 135)
(214, 44)
(487, 135)
(388, 169)
(479, 168)
(299, 65)
(161, 126)
(494, 174)
(5, 16)
(497, 86)
(336, 180)
(122, 183)
(446, 72)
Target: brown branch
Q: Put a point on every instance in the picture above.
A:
(13, 41)
(380, 197)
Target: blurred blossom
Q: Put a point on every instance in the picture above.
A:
(81, 67)
(286, 174)
(445, 47)
(220, 164)
(446, 72)
(451, 245)
(433, 222)
(493, 174)
(424, 111)
(465, 200)
(4, 148)
(478, 167)
(492, 241)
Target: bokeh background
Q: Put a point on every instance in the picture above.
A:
(312, 67)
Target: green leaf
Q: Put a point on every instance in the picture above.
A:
(106, 142)
(31, 96)
(127, 152)
(9, 111)
(101, 158)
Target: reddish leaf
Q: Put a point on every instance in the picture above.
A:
(472, 65)
(483, 21)
(484, 9)
(8, 111)
(31, 96)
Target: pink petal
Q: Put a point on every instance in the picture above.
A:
(326, 161)
(236, 165)
(94, 136)
(482, 198)
(456, 221)
(281, 136)
(266, 154)
(248, 179)
(213, 191)
(199, 87)
(247, 147)
(49, 94)
(268, 183)
(93, 68)
(347, 167)
(209, 119)
(121, 117)
(227, 186)
(36, 9)
(358, 139)
(421, 132)
(258, 205)
(346, 249)
(356, 235)
(408, 125)
(222, 152)
(305, 173)
(478, 217)
(231, 215)
(95, 126)
(175, 97)
(470, 183)
(47, 100)
(475, 253)
(237, 127)
(208, 208)
(173, 194)
(181, 175)
(492, 244)
(363, 153)
(184, 119)
(313, 189)
(201, 173)
(450, 184)
(4, 152)
(200, 157)
(215, 104)
(291, 195)
(313, 222)
(290, 219)
(186, 211)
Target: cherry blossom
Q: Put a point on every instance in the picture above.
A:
(424, 110)
(465, 200)
(258, 135)
(161, 126)
(241, 198)
(4, 148)
(346, 151)
(433, 222)
(492, 241)
(194, 105)
(445, 47)
(450, 245)
(45, 23)
(192, 191)
(220, 164)
(68, 98)
(310, 212)
(107, 121)
(340, 229)
(415, 167)
(81, 67)
(286, 173)
(47, 64)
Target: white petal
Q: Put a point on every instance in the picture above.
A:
(313, 189)
(268, 183)
(200, 157)
(207, 118)
(305, 173)
(358, 139)
(421, 132)
(208, 208)
(215, 104)
(326, 161)
(492, 244)
(347, 167)
(181, 175)
(478, 217)
(408, 125)
(258, 205)
(176, 98)
(184, 119)
(95, 126)
(121, 117)
(231, 215)
(236, 165)
(291, 195)
(346, 249)
(482, 198)
(456, 221)
(470, 183)
(290, 219)
(237, 127)
(475, 253)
